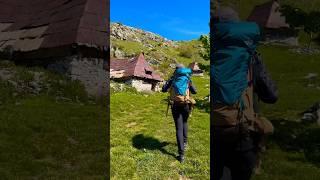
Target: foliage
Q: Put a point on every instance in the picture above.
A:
(298, 18)
(120, 87)
(205, 40)
(295, 17)
(186, 51)
(312, 24)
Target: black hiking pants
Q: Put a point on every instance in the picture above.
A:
(180, 115)
(239, 158)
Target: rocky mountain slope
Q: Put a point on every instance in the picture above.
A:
(123, 32)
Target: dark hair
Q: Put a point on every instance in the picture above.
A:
(225, 14)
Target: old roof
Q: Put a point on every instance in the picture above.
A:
(268, 15)
(134, 67)
(28, 25)
(194, 66)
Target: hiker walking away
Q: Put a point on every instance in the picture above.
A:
(180, 86)
(232, 94)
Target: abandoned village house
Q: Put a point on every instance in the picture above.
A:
(273, 25)
(135, 72)
(196, 71)
(68, 36)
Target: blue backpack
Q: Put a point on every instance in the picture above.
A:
(232, 43)
(181, 79)
(179, 91)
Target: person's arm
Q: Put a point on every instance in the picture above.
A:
(192, 88)
(167, 85)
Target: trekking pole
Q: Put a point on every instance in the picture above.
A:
(168, 107)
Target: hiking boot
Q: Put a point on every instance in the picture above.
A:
(181, 158)
(185, 145)
(257, 169)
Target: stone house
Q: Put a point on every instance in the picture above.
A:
(194, 66)
(68, 36)
(135, 72)
(273, 25)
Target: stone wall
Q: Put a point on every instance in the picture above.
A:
(291, 41)
(140, 85)
(87, 70)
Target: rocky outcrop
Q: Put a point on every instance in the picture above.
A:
(312, 114)
(123, 32)
(148, 40)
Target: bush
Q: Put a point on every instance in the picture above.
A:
(6, 91)
(67, 88)
(120, 87)
(186, 51)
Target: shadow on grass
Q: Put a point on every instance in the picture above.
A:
(150, 143)
(292, 136)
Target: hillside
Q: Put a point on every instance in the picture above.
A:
(160, 52)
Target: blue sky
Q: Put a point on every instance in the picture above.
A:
(173, 19)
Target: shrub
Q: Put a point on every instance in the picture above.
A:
(186, 51)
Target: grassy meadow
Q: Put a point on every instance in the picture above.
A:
(143, 142)
(142, 138)
(59, 133)
(293, 151)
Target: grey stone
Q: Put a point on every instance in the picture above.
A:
(122, 32)
(311, 76)
(173, 66)
(6, 74)
(89, 71)
(312, 114)
(13, 83)
(118, 53)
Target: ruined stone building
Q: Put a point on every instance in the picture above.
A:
(68, 36)
(273, 25)
(196, 71)
(135, 72)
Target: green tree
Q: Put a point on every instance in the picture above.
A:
(312, 25)
(299, 19)
(295, 17)
(205, 40)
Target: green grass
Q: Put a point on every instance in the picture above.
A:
(45, 138)
(143, 143)
(288, 70)
(129, 47)
(293, 151)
